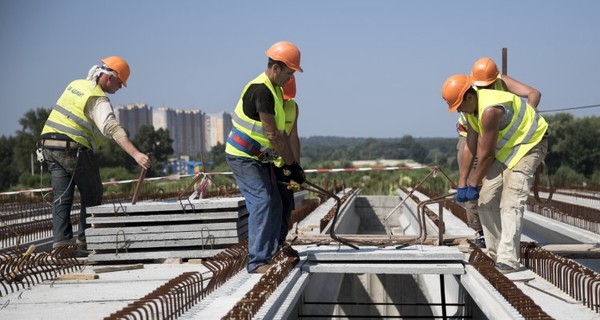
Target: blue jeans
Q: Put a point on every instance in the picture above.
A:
(256, 181)
(70, 168)
(287, 201)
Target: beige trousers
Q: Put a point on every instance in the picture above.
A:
(502, 203)
(470, 206)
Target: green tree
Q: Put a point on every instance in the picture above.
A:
(157, 143)
(25, 144)
(9, 176)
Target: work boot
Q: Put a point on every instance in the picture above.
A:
(504, 268)
(480, 240)
(81, 250)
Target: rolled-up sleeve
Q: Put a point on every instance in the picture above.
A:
(102, 114)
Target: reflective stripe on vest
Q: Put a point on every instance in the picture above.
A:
(68, 116)
(461, 126)
(525, 129)
(253, 128)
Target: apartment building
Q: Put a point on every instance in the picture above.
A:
(192, 131)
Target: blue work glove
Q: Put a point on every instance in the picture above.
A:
(472, 193)
(461, 194)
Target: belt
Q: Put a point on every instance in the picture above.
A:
(61, 144)
(249, 147)
(244, 143)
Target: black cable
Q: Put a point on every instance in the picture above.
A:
(574, 108)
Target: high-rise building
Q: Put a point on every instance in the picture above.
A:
(217, 129)
(166, 119)
(192, 131)
(133, 116)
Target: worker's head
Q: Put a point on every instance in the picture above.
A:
(458, 92)
(119, 66)
(289, 89)
(484, 72)
(284, 60)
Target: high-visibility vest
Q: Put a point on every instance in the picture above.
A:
(291, 110)
(253, 129)
(461, 124)
(68, 116)
(521, 129)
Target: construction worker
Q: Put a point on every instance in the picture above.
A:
(69, 138)
(485, 75)
(508, 137)
(255, 141)
(290, 107)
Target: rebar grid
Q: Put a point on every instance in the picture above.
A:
(521, 302)
(179, 294)
(22, 268)
(250, 304)
(579, 282)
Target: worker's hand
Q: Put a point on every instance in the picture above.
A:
(142, 159)
(295, 187)
(461, 194)
(472, 193)
(296, 173)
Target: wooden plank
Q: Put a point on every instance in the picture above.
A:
(575, 251)
(160, 217)
(77, 276)
(104, 269)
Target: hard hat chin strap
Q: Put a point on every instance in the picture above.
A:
(96, 71)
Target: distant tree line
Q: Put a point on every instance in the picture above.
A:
(573, 158)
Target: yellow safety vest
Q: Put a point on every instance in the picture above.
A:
(521, 129)
(253, 128)
(291, 110)
(462, 120)
(68, 116)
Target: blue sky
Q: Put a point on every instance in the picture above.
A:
(371, 68)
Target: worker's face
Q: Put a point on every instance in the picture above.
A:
(282, 74)
(113, 84)
(468, 105)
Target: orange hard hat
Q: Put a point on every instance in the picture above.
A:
(289, 89)
(118, 65)
(287, 53)
(484, 72)
(454, 90)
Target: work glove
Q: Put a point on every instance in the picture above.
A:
(295, 172)
(461, 194)
(472, 193)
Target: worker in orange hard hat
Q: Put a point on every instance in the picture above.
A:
(485, 75)
(68, 141)
(290, 107)
(256, 140)
(508, 137)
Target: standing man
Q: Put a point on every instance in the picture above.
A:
(290, 108)
(508, 137)
(485, 75)
(69, 138)
(255, 141)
